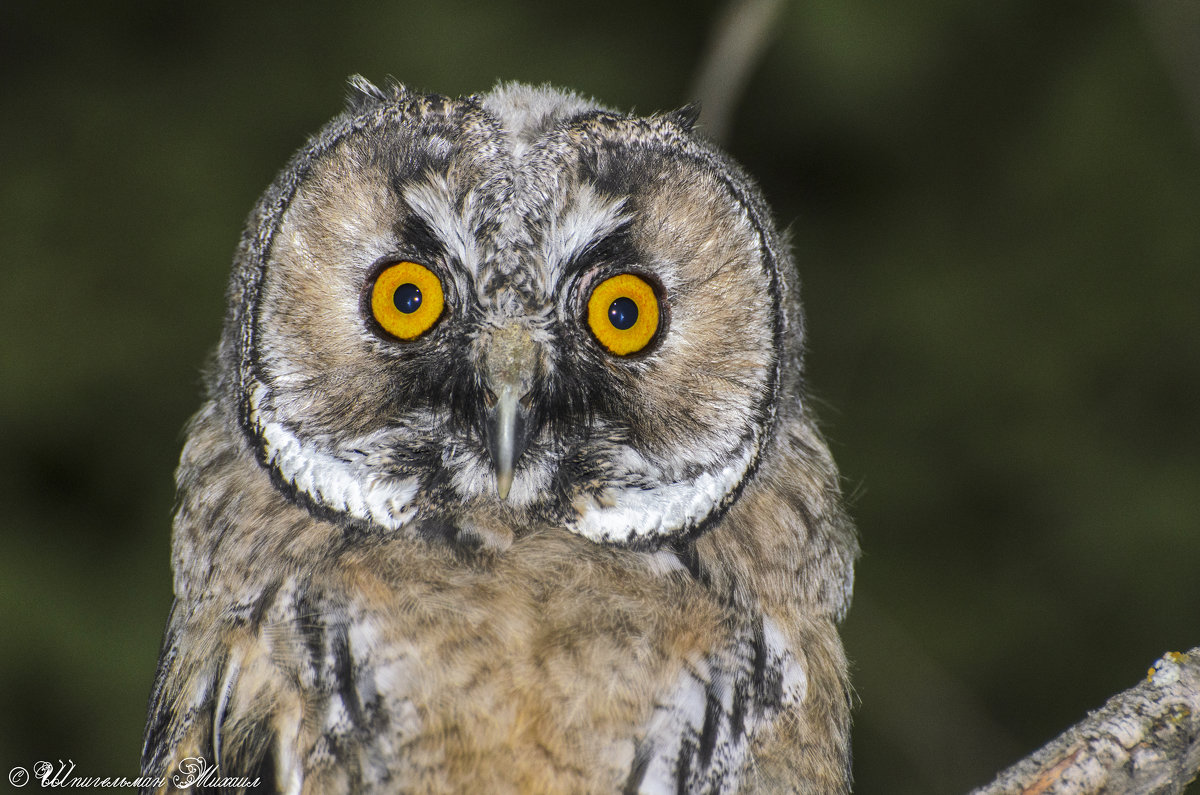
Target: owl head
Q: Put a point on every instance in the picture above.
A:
(463, 317)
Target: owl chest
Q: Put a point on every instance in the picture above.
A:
(537, 676)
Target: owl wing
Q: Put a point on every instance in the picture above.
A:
(700, 735)
(182, 749)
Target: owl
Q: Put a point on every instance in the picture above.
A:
(506, 481)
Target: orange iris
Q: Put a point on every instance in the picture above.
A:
(623, 313)
(407, 299)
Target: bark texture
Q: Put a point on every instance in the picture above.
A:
(1144, 740)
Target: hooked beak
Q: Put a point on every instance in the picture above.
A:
(508, 427)
(510, 366)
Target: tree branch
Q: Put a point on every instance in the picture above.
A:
(738, 40)
(1174, 28)
(1145, 740)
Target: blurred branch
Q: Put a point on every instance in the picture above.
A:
(737, 43)
(1144, 740)
(1174, 28)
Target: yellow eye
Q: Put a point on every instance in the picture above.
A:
(407, 300)
(623, 313)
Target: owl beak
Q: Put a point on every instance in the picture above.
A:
(510, 365)
(507, 426)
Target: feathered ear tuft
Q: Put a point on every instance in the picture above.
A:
(363, 93)
(686, 116)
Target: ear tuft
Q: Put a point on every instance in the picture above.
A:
(363, 93)
(686, 116)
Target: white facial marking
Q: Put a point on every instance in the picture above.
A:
(348, 482)
(434, 201)
(590, 217)
(632, 512)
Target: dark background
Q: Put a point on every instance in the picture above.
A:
(996, 214)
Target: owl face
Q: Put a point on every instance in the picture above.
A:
(516, 306)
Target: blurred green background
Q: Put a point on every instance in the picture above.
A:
(996, 214)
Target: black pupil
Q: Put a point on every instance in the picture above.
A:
(622, 313)
(408, 298)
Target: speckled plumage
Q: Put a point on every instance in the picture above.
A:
(652, 608)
